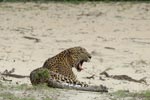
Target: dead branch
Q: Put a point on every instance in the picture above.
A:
(32, 38)
(15, 75)
(9, 74)
(124, 77)
(90, 77)
(4, 79)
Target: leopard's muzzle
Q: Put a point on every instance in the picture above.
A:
(80, 63)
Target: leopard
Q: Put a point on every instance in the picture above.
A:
(62, 64)
(43, 75)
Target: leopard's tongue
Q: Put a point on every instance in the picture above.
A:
(80, 67)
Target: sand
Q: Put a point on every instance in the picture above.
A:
(116, 34)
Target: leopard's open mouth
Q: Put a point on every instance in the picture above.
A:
(79, 66)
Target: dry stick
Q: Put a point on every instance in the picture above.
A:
(15, 75)
(32, 38)
(109, 48)
(91, 77)
(9, 73)
(123, 77)
(4, 79)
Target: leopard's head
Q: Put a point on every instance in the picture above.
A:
(77, 56)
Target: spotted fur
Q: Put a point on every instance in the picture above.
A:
(63, 62)
(62, 65)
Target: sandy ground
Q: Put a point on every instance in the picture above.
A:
(116, 34)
